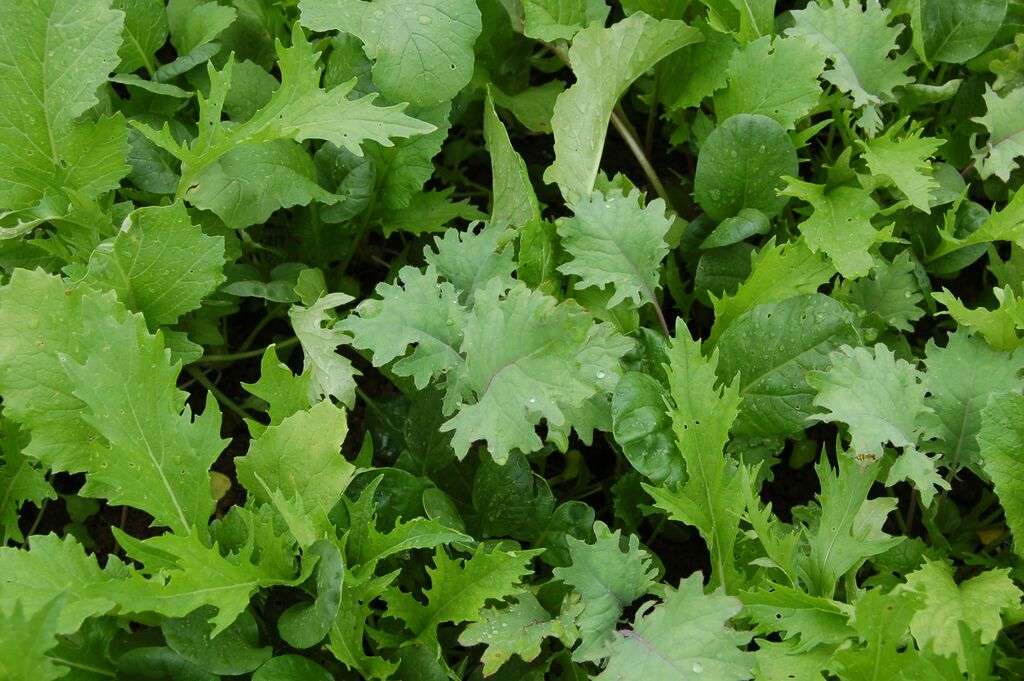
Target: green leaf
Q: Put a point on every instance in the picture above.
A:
(746, 223)
(741, 165)
(608, 575)
(25, 641)
(686, 633)
(977, 602)
(528, 358)
(21, 481)
(643, 428)
(248, 183)
(888, 297)
(711, 498)
(848, 529)
(775, 78)
(955, 31)
(917, 467)
(423, 48)
(840, 226)
(469, 260)
(858, 42)
(32, 580)
(301, 456)
(881, 621)
(552, 20)
(612, 240)
(291, 668)
(805, 621)
(284, 392)
(772, 347)
(605, 61)
(1000, 327)
(957, 397)
(518, 629)
(697, 70)
(514, 199)
(510, 499)
(880, 398)
(420, 312)
(429, 211)
(1000, 439)
(1002, 225)
(403, 168)
(195, 23)
(145, 32)
(234, 651)
(904, 163)
(1005, 134)
(159, 264)
(330, 373)
(305, 624)
(777, 272)
(57, 53)
(459, 589)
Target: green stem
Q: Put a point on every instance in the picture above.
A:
(35, 523)
(267, 318)
(235, 356)
(620, 122)
(224, 400)
(652, 115)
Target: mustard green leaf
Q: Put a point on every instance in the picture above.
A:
(21, 481)
(552, 20)
(978, 602)
(55, 56)
(159, 264)
(1001, 327)
(330, 373)
(514, 199)
(528, 358)
(428, 211)
(904, 163)
(145, 32)
(459, 589)
(685, 636)
(697, 70)
(840, 226)
(1000, 439)
(1005, 134)
(703, 411)
(25, 641)
(642, 426)
(423, 49)
(889, 297)
(609, 575)
(612, 240)
(804, 620)
(858, 40)
(301, 456)
(955, 31)
(606, 61)
(284, 392)
(470, 259)
(880, 398)
(404, 166)
(918, 468)
(775, 78)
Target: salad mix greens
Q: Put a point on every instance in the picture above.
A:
(511, 339)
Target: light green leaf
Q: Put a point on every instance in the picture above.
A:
(299, 110)
(955, 31)
(528, 358)
(881, 620)
(25, 640)
(608, 575)
(697, 70)
(21, 481)
(957, 397)
(1000, 327)
(418, 311)
(459, 589)
(423, 48)
(904, 163)
(300, 457)
(248, 183)
(283, 391)
(54, 567)
(917, 467)
(330, 373)
(805, 621)
(858, 41)
(711, 498)
(772, 347)
(429, 211)
(848, 529)
(777, 272)
(1005, 134)
(55, 56)
(514, 199)
(159, 264)
(403, 169)
(1002, 225)
(145, 32)
(777, 79)
(195, 23)
(888, 297)
(978, 602)
(612, 240)
(1001, 439)
(686, 633)
(518, 629)
(840, 226)
(470, 259)
(606, 61)
(552, 20)
(880, 398)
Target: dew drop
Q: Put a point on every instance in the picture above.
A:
(424, 19)
(600, 375)
(533, 400)
(698, 668)
(33, 323)
(761, 149)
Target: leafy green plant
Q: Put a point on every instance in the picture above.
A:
(511, 339)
